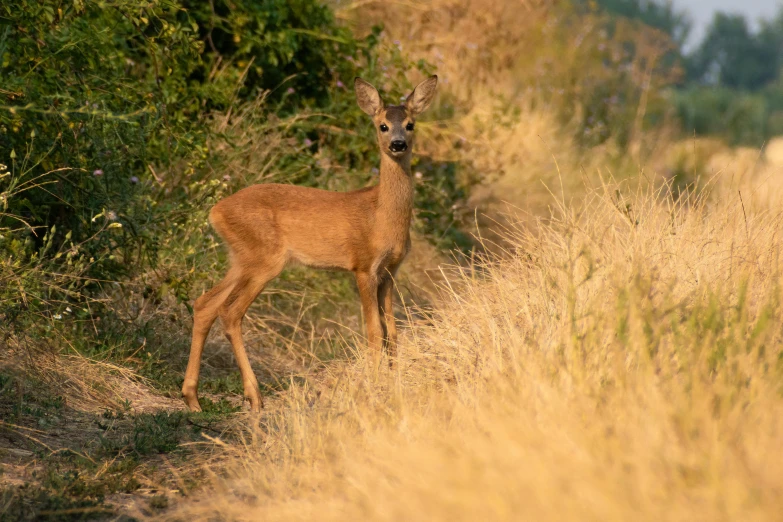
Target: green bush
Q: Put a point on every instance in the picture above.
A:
(98, 94)
(100, 99)
(738, 117)
(292, 48)
(122, 123)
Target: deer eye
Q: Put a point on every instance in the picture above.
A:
(409, 127)
(384, 127)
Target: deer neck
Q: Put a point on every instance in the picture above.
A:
(395, 193)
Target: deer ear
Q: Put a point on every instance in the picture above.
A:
(421, 97)
(367, 97)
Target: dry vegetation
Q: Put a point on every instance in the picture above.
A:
(625, 363)
(622, 361)
(619, 358)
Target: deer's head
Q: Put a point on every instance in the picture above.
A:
(395, 124)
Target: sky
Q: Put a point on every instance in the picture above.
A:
(701, 12)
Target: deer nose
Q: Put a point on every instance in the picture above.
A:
(398, 146)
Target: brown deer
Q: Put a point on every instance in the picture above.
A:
(269, 226)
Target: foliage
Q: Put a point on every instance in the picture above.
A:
(731, 55)
(112, 145)
(89, 104)
(741, 118)
(609, 75)
(101, 95)
(660, 15)
(441, 194)
(293, 49)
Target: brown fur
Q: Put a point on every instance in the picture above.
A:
(267, 227)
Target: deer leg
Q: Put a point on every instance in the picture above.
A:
(231, 314)
(386, 301)
(205, 311)
(368, 292)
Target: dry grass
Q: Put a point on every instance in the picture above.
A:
(515, 79)
(87, 384)
(608, 371)
(621, 362)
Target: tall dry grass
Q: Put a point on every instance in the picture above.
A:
(623, 364)
(525, 88)
(622, 361)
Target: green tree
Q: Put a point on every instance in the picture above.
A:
(660, 15)
(731, 55)
(770, 37)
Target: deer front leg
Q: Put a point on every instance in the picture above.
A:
(368, 292)
(386, 300)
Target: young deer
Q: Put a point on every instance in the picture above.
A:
(269, 226)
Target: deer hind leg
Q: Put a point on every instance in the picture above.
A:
(233, 310)
(205, 311)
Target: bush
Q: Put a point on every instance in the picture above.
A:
(738, 117)
(292, 48)
(91, 104)
(101, 93)
(108, 119)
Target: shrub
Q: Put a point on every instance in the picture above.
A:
(107, 122)
(740, 118)
(99, 94)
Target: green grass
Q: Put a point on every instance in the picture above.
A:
(79, 460)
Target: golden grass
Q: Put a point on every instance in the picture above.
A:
(515, 79)
(620, 362)
(608, 370)
(87, 384)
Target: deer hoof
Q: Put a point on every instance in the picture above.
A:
(192, 404)
(256, 403)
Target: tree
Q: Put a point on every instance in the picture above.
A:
(657, 14)
(770, 37)
(731, 55)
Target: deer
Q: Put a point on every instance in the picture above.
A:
(269, 226)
